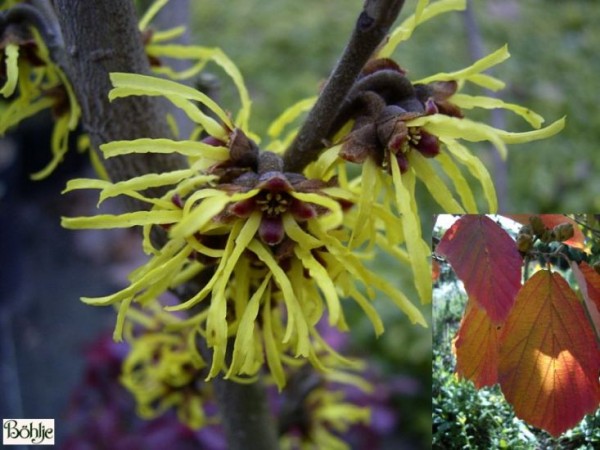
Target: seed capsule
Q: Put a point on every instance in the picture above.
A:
(564, 231)
(537, 226)
(524, 242)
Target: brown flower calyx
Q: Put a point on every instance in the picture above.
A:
(15, 24)
(381, 83)
(146, 36)
(249, 169)
(28, 49)
(15, 30)
(435, 97)
(381, 103)
(243, 156)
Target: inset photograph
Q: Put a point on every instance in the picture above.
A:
(516, 331)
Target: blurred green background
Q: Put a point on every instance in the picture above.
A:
(286, 49)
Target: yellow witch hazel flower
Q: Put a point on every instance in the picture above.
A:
(268, 246)
(33, 82)
(320, 410)
(402, 131)
(162, 373)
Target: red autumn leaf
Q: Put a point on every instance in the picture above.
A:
(486, 260)
(476, 347)
(589, 286)
(551, 220)
(549, 357)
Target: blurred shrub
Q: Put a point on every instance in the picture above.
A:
(466, 418)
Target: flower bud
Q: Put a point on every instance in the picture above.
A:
(243, 150)
(547, 236)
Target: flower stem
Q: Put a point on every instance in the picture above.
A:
(371, 28)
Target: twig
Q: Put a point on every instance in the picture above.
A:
(594, 231)
(371, 28)
(41, 16)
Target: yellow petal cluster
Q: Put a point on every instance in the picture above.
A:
(386, 189)
(29, 89)
(162, 373)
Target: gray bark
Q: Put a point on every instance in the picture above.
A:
(100, 39)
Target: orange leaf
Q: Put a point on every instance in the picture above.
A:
(593, 281)
(435, 270)
(549, 357)
(476, 347)
(486, 260)
(551, 220)
(589, 286)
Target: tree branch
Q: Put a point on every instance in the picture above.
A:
(371, 28)
(103, 39)
(245, 408)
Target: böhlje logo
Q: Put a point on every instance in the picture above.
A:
(28, 431)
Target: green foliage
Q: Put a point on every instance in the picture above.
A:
(554, 44)
(285, 49)
(466, 418)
